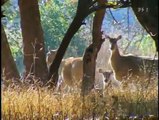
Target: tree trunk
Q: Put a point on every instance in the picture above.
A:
(33, 40)
(89, 59)
(9, 69)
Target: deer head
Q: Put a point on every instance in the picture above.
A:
(113, 41)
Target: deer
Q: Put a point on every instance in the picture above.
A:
(67, 72)
(72, 74)
(110, 80)
(113, 83)
(50, 56)
(70, 70)
(129, 66)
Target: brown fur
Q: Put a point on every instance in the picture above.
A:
(50, 56)
(77, 70)
(73, 72)
(130, 65)
(67, 72)
(71, 68)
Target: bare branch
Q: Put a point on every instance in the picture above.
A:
(112, 16)
(92, 4)
(99, 7)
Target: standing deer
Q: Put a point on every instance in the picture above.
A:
(129, 66)
(71, 72)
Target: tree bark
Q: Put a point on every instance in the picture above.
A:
(9, 69)
(33, 40)
(89, 59)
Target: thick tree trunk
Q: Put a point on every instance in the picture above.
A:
(9, 69)
(89, 59)
(33, 40)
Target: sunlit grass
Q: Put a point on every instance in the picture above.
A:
(34, 102)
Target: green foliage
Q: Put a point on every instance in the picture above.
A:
(11, 25)
(140, 45)
(56, 16)
(147, 46)
(12, 28)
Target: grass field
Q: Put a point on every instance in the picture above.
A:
(36, 103)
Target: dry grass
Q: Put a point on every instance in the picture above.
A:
(36, 103)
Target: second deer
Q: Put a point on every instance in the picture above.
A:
(129, 66)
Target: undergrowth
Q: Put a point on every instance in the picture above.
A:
(38, 103)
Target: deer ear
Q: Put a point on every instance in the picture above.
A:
(119, 37)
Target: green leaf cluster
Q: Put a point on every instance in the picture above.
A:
(56, 16)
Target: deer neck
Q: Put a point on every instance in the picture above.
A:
(115, 55)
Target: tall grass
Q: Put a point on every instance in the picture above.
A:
(37, 103)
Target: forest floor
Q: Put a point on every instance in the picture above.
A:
(37, 103)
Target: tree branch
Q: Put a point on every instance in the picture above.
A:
(112, 16)
(99, 7)
(92, 3)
